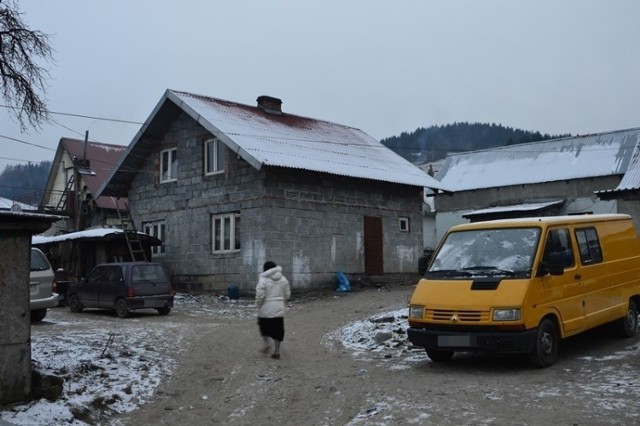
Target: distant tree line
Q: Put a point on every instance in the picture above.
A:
(435, 142)
(24, 182)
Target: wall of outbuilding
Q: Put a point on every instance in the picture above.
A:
(310, 223)
(579, 196)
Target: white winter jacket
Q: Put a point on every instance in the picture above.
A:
(272, 293)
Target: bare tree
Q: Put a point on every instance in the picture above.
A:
(22, 77)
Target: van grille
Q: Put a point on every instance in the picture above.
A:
(462, 316)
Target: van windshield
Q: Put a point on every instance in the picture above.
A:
(505, 252)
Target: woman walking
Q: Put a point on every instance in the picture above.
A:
(272, 293)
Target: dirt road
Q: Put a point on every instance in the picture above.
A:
(222, 378)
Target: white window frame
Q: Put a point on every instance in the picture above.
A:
(225, 225)
(168, 174)
(404, 224)
(215, 148)
(156, 229)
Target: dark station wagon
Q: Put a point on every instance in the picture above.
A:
(123, 287)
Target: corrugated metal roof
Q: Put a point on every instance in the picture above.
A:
(631, 179)
(602, 154)
(302, 143)
(265, 139)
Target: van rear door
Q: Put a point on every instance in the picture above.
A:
(149, 279)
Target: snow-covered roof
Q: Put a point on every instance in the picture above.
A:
(523, 207)
(96, 233)
(271, 139)
(602, 154)
(7, 204)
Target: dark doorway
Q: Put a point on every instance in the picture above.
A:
(373, 250)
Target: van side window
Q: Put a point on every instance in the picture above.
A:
(558, 248)
(589, 244)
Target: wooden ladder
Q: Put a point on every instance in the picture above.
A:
(62, 202)
(131, 236)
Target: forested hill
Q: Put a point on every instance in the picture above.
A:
(24, 182)
(435, 142)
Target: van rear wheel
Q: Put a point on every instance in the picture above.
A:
(628, 325)
(439, 356)
(545, 351)
(122, 310)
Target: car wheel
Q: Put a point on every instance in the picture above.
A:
(38, 315)
(439, 356)
(545, 351)
(74, 303)
(122, 310)
(164, 311)
(628, 325)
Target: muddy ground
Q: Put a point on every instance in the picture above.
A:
(221, 377)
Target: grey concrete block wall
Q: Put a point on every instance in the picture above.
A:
(310, 223)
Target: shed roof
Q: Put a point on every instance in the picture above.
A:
(266, 139)
(602, 154)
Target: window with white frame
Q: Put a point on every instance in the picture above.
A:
(213, 156)
(158, 230)
(404, 224)
(168, 165)
(225, 233)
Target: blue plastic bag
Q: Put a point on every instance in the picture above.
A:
(343, 282)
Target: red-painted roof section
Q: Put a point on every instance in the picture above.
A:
(103, 158)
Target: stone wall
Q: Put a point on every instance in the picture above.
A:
(310, 223)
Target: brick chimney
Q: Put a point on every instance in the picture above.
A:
(270, 105)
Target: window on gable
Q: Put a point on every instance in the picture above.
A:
(213, 156)
(156, 229)
(225, 230)
(168, 165)
(404, 224)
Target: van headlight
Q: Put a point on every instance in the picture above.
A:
(506, 314)
(416, 311)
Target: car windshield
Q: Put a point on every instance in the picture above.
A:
(148, 273)
(505, 252)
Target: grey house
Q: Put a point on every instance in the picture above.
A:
(227, 186)
(575, 175)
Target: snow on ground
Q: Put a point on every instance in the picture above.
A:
(108, 370)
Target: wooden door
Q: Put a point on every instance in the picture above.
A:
(373, 249)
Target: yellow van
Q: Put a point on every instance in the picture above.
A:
(522, 285)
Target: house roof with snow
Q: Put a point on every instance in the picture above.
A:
(597, 155)
(7, 204)
(101, 159)
(263, 135)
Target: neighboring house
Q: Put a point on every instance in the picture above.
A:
(78, 169)
(561, 176)
(229, 186)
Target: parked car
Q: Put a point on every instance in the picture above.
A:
(123, 287)
(41, 278)
(423, 261)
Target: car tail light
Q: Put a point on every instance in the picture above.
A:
(129, 292)
(54, 286)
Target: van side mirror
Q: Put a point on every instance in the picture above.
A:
(553, 265)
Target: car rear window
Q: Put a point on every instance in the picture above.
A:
(148, 273)
(38, 261)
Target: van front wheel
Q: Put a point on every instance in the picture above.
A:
(545, 350)
(628, 325)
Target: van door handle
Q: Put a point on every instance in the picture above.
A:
(577, 276)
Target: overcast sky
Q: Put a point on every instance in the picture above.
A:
(570, 66)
